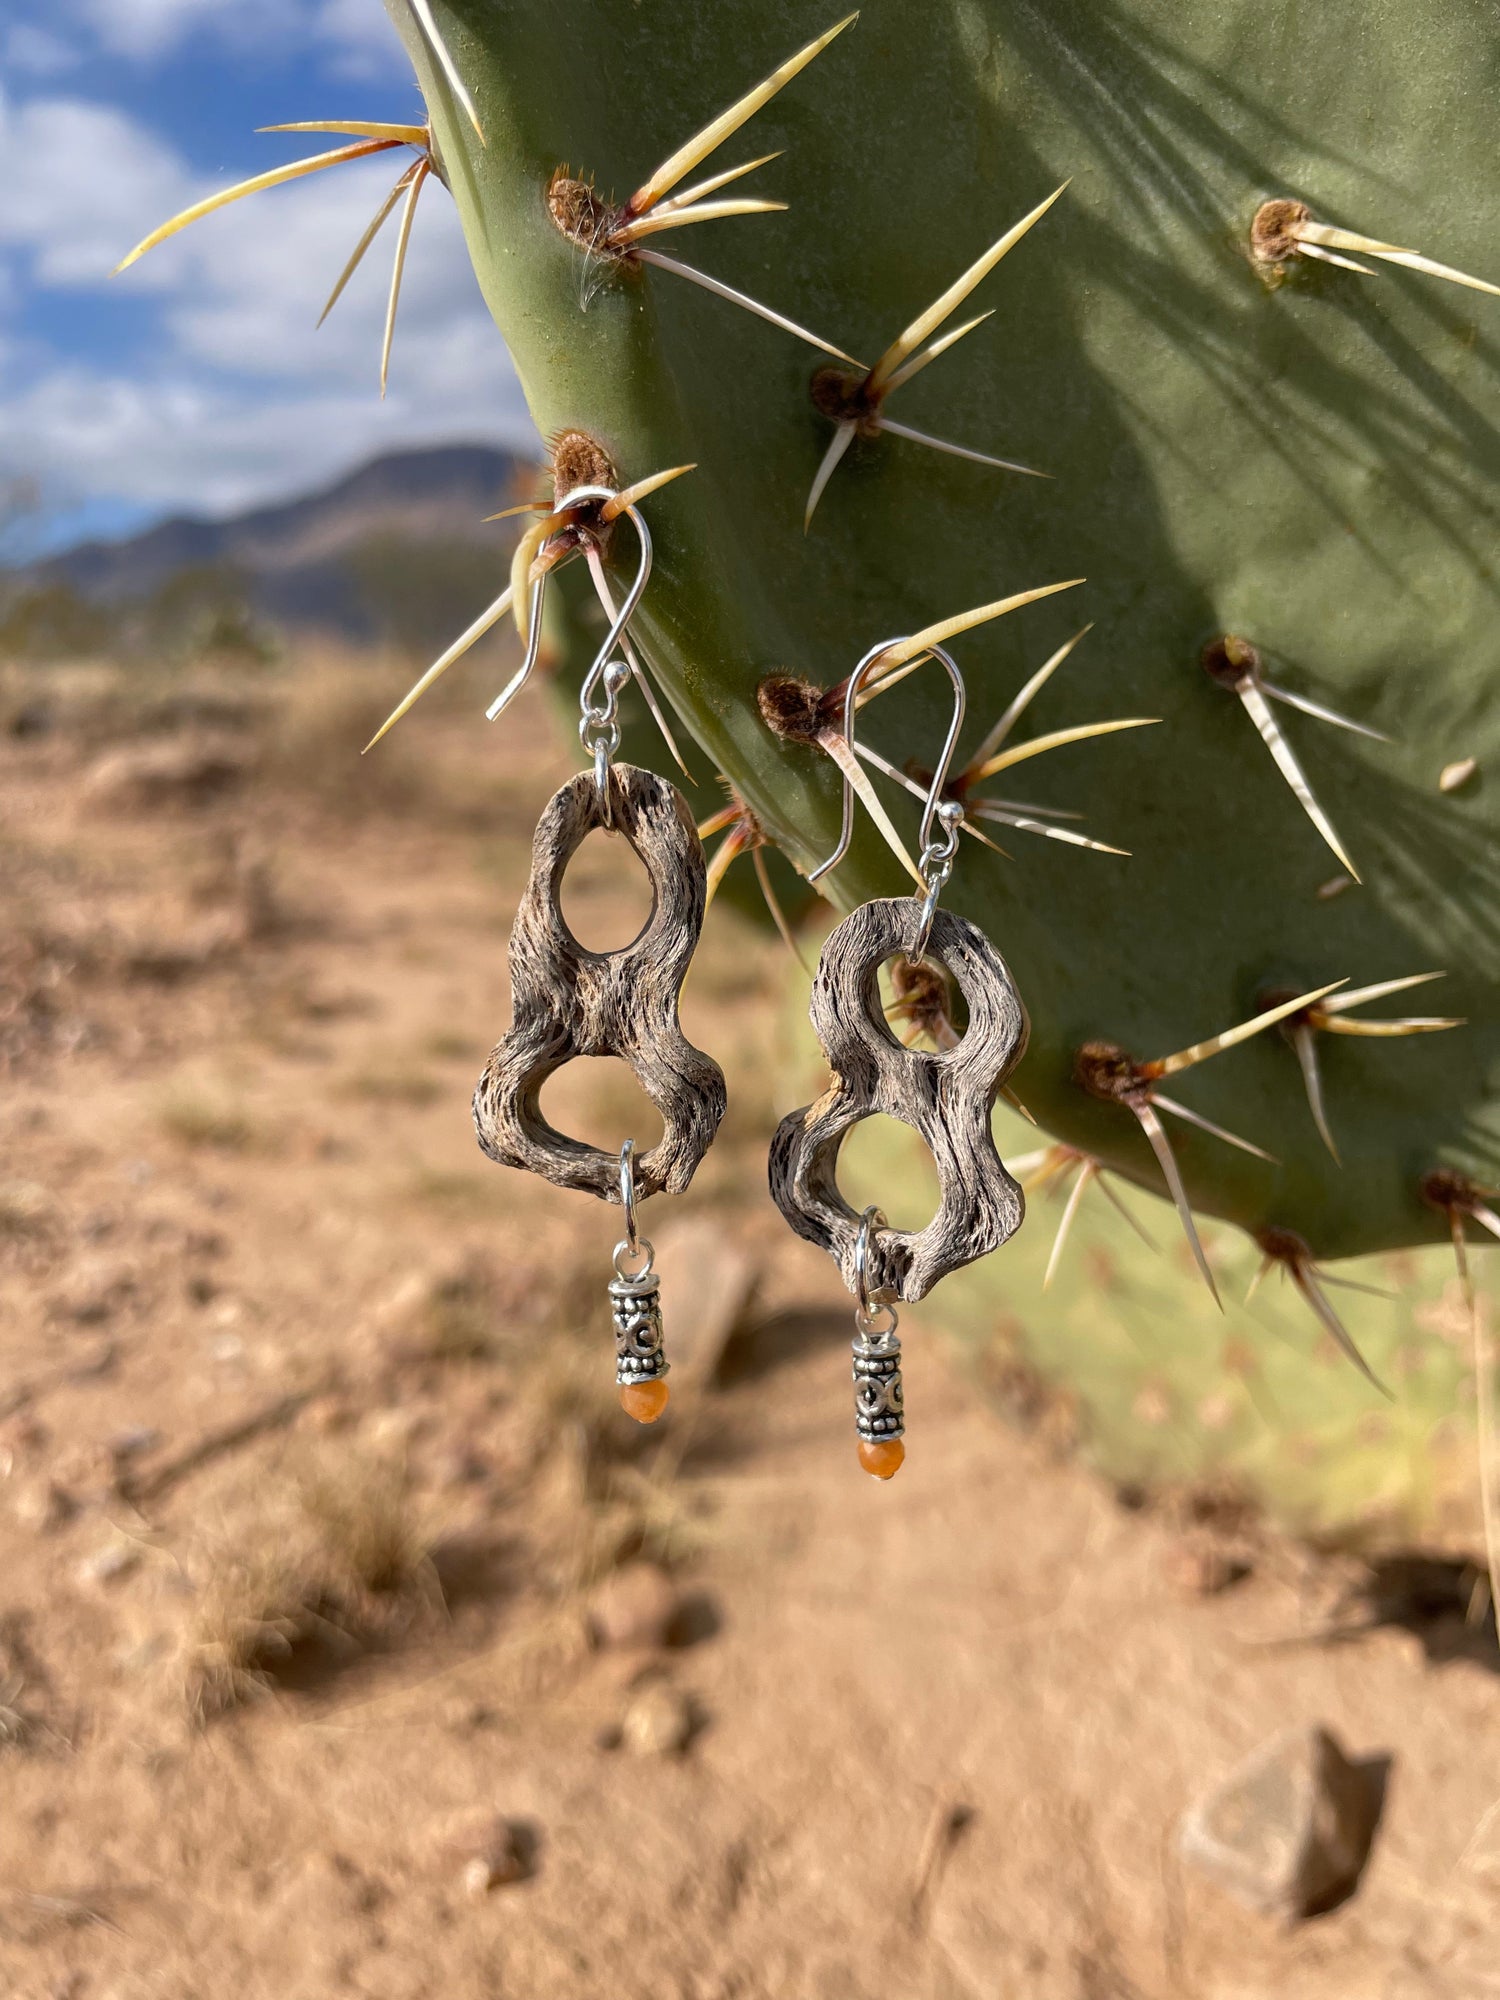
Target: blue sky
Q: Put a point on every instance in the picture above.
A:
(197, 380)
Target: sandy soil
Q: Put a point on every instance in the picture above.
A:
(311, 1478)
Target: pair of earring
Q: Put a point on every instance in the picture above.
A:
(569, 1001)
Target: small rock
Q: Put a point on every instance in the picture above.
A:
(327, 1415)
(1289, 1832)
(22, 1436)
(134, 1442)
(109, 1564)
(634, 1607)
(94, 1291)
(394, 1317)
(394, 1429)
(44, 1506)
(490, 1849)
(26, 1208)
(32, 719)
(1204, 1568)
(699, 1263)
(659, 1721)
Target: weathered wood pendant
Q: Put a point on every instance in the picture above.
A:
(568, 1001)
(946, 1097)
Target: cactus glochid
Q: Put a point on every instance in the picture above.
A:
(1272, 448)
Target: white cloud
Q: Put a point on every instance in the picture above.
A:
(82, 175)
(197, 446)
(147, 30)
(238, 397)
(32, 50)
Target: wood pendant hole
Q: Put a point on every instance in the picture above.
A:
(605, 895)
(885, 1162)
(597, 1100)
(922, 1005)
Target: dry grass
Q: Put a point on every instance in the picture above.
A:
(247, 1618)
(332, 1563)
(459, 1193)
(26, 1210)
(448, 1045)
(393, 1080)
(327, 706)
(365, 1530)
(465, 1318)
(208, 1116)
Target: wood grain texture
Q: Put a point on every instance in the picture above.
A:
(567, 1001)
(946, 1097)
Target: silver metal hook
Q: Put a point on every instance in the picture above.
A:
(633, 596)
(523, 673)
(934, 807)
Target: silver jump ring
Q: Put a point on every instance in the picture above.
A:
(627, 1197)
(867, 1309)
(603, 789)
(917, 950)
(632, 1243)
(643, 1249)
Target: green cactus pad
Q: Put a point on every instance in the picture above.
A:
(1282, 451)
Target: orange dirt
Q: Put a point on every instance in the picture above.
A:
(311, 1462)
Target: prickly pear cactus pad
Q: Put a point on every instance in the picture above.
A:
(1271, 447)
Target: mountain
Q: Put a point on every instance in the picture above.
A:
(330, 559)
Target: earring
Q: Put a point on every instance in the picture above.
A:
(946, 1097)
(568, 1001)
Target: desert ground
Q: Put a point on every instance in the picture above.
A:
(353, 1643)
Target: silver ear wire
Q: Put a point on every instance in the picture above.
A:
(637, 590)
(596, 715)
(936, 863)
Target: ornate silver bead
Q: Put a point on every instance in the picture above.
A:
(638, 1335)
(878, 1410)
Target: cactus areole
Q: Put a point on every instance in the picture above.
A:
(1271, 436)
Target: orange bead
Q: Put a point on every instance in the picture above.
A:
(881, 1458)
(644, 1401)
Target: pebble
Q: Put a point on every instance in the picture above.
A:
(1205, 1568)
(109, 1564)
(395, 1428)
(44, 1506)
(25, 1207)
(134, 1442)
(327, 1415)
(94, 1291)
(633, 1608)
(1289, 1832)
(659, 1721)
(491, 1850)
